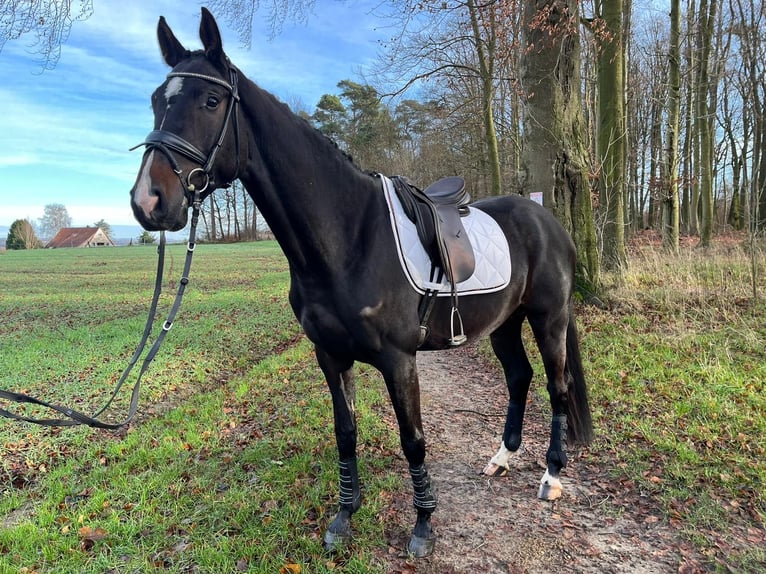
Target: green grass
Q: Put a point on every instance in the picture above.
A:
(677, 370)
(231, 464)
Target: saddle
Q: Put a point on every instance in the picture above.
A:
(436, 213)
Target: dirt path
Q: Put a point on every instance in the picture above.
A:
(498, 525)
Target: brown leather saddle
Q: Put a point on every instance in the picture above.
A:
(437, 214)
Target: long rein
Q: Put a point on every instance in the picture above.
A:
(167, 143)
(73, 417)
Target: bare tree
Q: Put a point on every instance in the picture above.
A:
(240, 15)
(610, 147)
(49, 21)
(460, 46)
(707, 12)
(670, 220)
(55, 217)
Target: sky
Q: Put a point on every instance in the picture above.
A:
(65, 133)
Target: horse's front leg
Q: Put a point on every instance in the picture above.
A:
(340, 378)
(402, 382)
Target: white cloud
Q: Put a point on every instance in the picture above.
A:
(67, 131)
(15, 159)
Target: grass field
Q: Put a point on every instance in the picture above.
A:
(231, 465)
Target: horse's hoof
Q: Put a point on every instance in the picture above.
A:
(421, 547)
(493, 470)
(550, 488)
(334, 542)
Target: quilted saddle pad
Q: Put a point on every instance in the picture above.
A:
(493, 259)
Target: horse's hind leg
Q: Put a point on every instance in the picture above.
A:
(550, 330)
(340, 378)
(509, 349)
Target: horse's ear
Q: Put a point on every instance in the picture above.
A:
(211, 37)
(172, 50)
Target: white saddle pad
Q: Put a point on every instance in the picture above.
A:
(493, 258)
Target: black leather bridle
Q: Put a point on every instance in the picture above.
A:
(168, 142)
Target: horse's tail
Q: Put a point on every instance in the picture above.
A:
(579, 421)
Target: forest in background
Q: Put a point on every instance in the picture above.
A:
(670, 97)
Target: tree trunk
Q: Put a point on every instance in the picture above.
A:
(759, 177)
(690, 191)
(655, 169)
(706, 143)
(670, 216)
(554, 155)
(611, 135)
(213, 236)
(485, 51)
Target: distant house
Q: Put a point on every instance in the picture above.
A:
(80, 237)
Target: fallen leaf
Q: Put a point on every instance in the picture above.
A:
(290, 569)
(88, 533)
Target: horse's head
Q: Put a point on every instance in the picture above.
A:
(194, 147)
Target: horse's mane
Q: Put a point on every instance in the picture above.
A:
(283, 111)
(298, 121)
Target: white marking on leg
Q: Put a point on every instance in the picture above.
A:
(550, 487)
(503, 457)
(501, 460)
(142, 196)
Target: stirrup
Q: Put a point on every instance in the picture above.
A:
(460, 338)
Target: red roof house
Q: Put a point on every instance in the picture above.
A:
(80, 237)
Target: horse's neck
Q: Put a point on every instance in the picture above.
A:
(313, 198)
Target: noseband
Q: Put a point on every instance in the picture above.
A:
(168, 142)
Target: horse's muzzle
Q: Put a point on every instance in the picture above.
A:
(158, 214)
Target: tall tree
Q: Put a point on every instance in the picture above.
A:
(484, 29)
(555, 159)
(360, 124)
(329, 117)
(707, 13)
(670, 214)
(610, 145)
(459, 47)
(55, 217)
(21, 235)
(690, 194)
(751, 17)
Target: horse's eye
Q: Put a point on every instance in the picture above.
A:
(212, 102)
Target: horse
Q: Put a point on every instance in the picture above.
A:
(213, 125)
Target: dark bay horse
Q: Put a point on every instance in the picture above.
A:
(212, 125)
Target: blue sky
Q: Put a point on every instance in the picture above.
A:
(65, 133)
